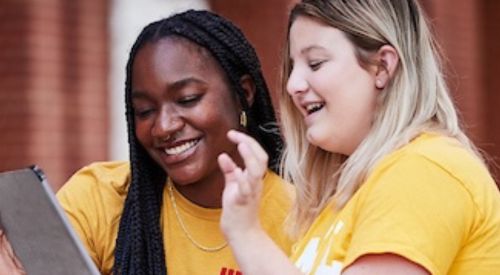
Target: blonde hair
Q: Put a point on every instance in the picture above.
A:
(415, 100)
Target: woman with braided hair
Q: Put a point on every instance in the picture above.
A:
(190, 79)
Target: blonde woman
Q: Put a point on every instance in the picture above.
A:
(387, 180)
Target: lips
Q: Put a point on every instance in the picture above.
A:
(314, 107)
(178, 152)
(181, 147)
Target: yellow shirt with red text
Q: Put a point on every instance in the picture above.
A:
(94, 197)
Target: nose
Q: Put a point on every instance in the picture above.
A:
(167, 124)
(296, 83)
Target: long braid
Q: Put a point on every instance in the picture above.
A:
(139, 245)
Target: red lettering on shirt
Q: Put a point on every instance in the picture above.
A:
(229, 271)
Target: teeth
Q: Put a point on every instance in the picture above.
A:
(313, 107)
(181, 148)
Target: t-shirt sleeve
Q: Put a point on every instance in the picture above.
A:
(416, 209)
(77, 198)
(275, 206)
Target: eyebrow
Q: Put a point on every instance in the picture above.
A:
(176, 86)
(311, 48)
(307, 49)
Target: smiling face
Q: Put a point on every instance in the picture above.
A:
(336, 96)
(183, 109)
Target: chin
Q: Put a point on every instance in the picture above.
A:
(185, 174)
(314, 139)
(322, 143)
(182, 180)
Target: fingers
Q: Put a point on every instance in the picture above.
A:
(233, 175)
(239, 137)
(9, 263)
(19, 266)
(5, 245)
(245, 187)
(228, 168)
(253, 155)
(254, 168)
(226, 164)
(244, 184)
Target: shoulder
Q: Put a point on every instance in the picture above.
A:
(434, 189)
(93, 200)
(277, 196)
(112, 176)
(436, 155)
(96, 193)
(276, 201)
(277, 190)
(433, 179)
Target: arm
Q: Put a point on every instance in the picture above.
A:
(384, 264)
(255, 252)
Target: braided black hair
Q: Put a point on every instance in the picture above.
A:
(139, 245)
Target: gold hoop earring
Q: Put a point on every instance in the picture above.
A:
(243, 119)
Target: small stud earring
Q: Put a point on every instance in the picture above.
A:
(243, 119)
(378, 84)
(167, 138)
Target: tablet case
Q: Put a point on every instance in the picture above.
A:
(37, 227)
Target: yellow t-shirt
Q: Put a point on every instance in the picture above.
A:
(431, 202)
(93, 200)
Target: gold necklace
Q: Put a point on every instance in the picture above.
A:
(183, 226)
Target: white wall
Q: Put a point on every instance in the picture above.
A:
(128, 17)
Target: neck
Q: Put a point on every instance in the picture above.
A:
(206, 192)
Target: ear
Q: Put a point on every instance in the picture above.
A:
(248, 86)
(388, 60)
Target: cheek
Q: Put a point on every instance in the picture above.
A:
(215, 123)
(221, 114)
(216, 116)
(296, 103)
(142, 132)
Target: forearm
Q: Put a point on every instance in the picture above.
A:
(257, 254)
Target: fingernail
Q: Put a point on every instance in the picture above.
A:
(232, 132)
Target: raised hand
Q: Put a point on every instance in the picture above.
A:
(243, 188)
(254, 251)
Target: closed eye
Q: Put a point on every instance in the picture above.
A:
(189, 100)
(315, 65)
(143, 113)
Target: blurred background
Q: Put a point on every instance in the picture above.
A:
(62, 71)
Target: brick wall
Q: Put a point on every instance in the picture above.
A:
(53, 85)
(264, 24)
(14, 61)
(490, 60)
(468, 32)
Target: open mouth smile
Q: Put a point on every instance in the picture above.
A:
(181, 148)
(314, 107)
